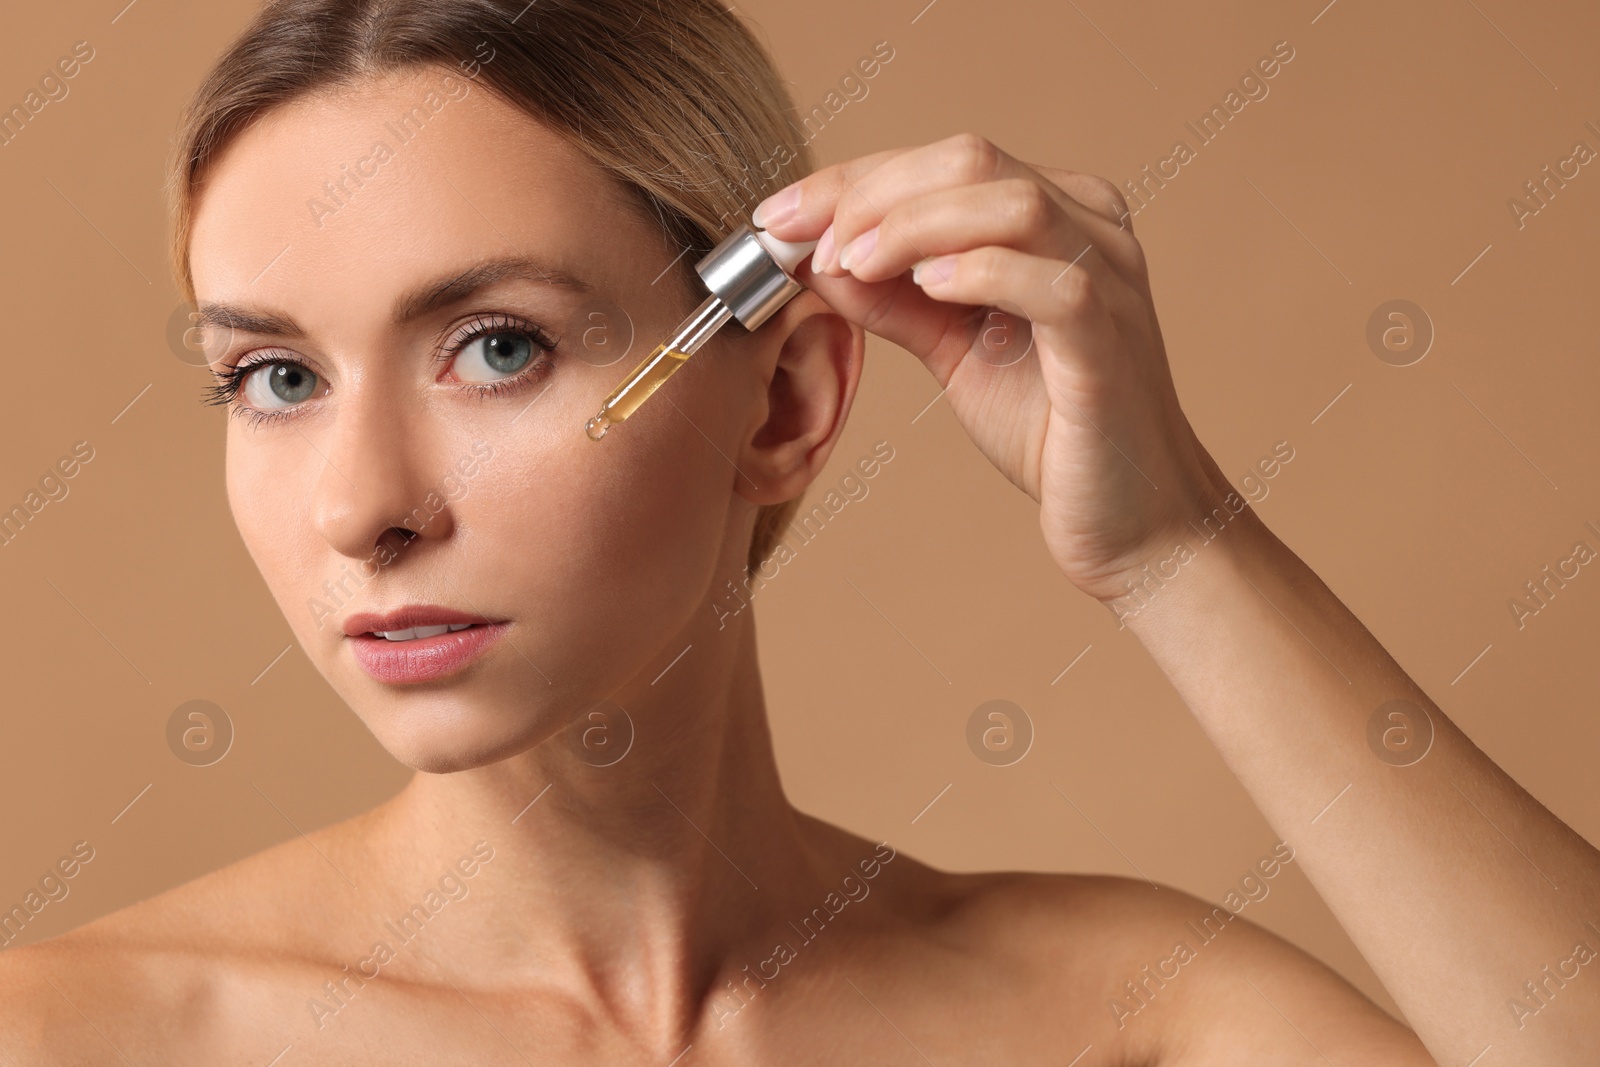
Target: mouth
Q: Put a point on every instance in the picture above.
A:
(416, 632)
(419, 643)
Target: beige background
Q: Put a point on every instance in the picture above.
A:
(1378, 167)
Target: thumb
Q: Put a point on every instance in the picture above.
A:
(896, 309)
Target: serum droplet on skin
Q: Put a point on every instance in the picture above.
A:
(596, 427)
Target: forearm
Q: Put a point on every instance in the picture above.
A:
(1455, 884)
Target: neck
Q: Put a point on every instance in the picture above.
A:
(642, 886)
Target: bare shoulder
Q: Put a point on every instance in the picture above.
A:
(187, 961)
(1168, 978)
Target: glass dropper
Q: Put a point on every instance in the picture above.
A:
(750, 275)
(659, 365)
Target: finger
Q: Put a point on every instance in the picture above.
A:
(801, 210)
(1098, 194)
(963, 160)
(839, 203)
(900, 312)
(1102, 196)
(1049, 292)
(1013, 212)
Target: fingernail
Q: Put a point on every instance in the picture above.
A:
(823, 254)
(857, 251)
(777, 208)
(934, 271)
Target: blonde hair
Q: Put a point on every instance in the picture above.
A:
(676, 99)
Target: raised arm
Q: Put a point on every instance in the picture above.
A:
(1477, 908)
(1030, 304)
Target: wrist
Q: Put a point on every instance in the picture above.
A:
(1216, 529)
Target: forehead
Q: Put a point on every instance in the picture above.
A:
(369, 187)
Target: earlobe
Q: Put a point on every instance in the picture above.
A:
(809, 394)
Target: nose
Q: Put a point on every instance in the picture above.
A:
(376, 484)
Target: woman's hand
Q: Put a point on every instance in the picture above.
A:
(1282, 677)
(1087, 420)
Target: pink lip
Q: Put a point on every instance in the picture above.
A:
(404, 618)
(425, 658)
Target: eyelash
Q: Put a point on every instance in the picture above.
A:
(231, 379)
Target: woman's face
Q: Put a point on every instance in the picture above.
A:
(389, 400)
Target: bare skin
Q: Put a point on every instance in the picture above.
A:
(1005, 967)
(609, 909)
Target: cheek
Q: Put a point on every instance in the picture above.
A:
(620, 526)
(270, 500)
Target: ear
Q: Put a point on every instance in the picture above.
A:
(809, 392)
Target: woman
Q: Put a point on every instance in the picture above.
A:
(399, 220)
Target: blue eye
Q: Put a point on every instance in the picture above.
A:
(496, 352)
(493, 355)
(278, 385)
(260, 387)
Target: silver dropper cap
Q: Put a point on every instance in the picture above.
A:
(751, 273)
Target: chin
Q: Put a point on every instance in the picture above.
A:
(448, 734)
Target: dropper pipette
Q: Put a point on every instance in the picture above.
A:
(751, 275)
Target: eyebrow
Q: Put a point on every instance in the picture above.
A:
(412, 305)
